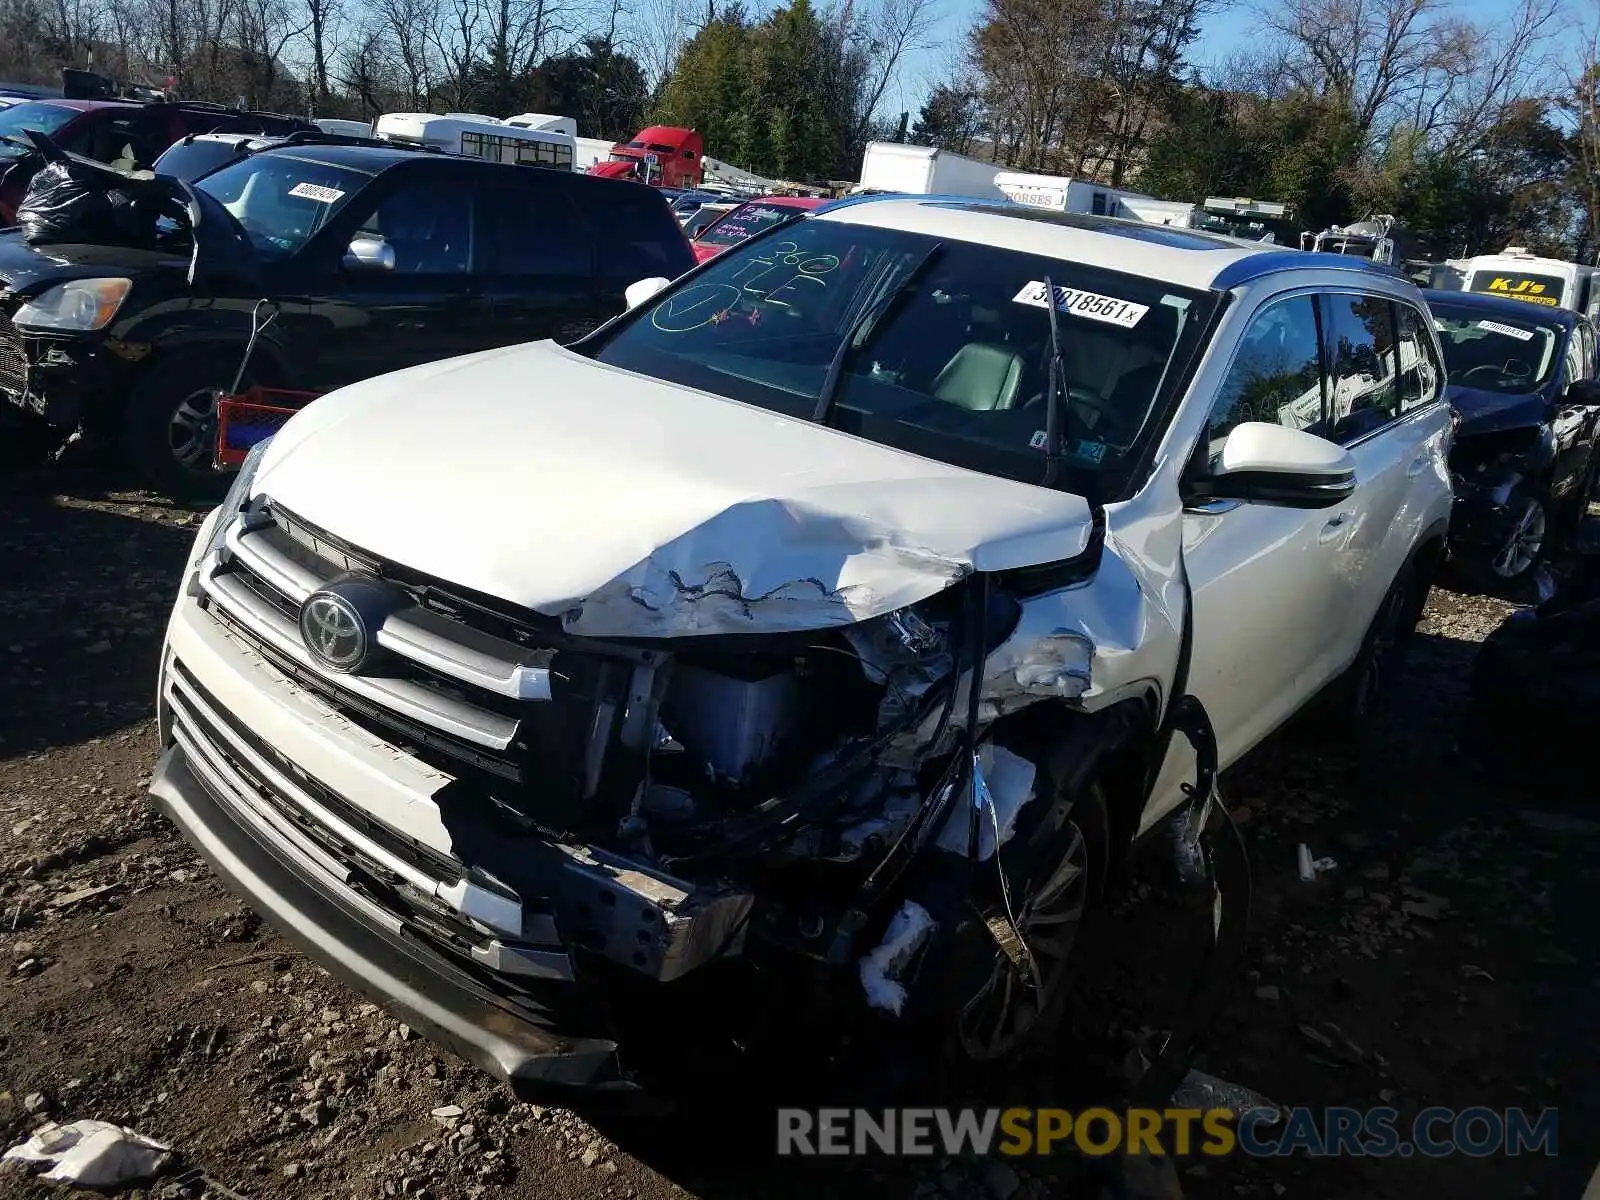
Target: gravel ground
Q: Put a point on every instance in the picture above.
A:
(1448, 959)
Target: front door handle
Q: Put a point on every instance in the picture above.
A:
(1419, 464)
(1332, 528)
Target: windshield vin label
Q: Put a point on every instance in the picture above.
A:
(1089, 305)
(315, 191)
(1511, 331)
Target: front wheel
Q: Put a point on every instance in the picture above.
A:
(170, 425)
(1049, 888)
(1526, 538)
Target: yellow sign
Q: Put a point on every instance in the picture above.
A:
(1528, 290)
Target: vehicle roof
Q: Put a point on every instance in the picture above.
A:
(1500, 306)
(88, 105)
(806, 202)
(361, 158)
(1186, 257)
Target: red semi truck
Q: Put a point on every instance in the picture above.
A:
(662, 155)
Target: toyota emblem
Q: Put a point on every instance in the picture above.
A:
(339, 623)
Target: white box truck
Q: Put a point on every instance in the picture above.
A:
(1059, 193)
(1518, 275)
(926, 171)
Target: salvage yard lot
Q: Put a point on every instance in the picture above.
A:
(1449, 959)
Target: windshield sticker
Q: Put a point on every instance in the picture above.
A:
(1090, 305)
(1510, 331)
(1088, 451)
(315, 191)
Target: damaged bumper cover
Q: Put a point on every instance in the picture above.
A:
(300, 893)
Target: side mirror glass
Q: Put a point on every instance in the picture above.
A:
(369, 254)
(637, 293)
(1265, 463)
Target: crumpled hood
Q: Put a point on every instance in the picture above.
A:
(1494, 412)
(631, 507)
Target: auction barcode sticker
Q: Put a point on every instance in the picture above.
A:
(1511, 331)
(315, 191)
(1090, 305)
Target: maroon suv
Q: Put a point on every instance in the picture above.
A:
(123, 133)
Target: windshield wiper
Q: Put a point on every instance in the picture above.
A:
(1057, 397)
(869, 317)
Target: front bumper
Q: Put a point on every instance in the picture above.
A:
(61, 378)
(1483, 515)
(244, 748)
(292, 887)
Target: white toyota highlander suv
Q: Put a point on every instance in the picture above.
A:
(799, 650)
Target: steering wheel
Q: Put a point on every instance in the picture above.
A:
(1082, 402)
(1487, 368)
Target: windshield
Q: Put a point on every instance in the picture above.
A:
(955, 370)
(16, 120)
(194, 160)
(282, 201)
(745, 222)
(1510, 355)
(1519, 285)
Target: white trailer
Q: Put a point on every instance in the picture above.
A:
(1059, 193)
(925, 170)
(340, 128)
(480, 137)
(1156, 212)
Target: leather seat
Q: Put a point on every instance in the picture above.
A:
(982, 377)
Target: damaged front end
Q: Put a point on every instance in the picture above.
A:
(742, 835)
(1496, 470)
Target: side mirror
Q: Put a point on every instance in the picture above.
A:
(1273, 464)
(369, 254)
(637, 293)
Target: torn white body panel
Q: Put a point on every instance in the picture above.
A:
(1004, 784)
(908, 929)
(633, 507)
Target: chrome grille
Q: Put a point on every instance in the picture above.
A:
(13, 360)
(467, 689)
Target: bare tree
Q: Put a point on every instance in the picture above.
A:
(653, 33)
(322, 19)
(457, 39)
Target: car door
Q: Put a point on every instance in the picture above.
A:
(538, 271)
(1264, 578)
(1572, 424)
(410, 297)
(1396, 448)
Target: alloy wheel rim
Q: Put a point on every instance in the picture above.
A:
(1003, 1012)
(192, 427)
(1522, 547)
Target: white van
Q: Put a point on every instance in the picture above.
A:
(342, 128)
(480, 137)
(1518, 275)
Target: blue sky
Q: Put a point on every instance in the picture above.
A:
(1220, 34)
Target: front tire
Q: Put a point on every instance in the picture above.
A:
(1526, 542)
(169, 425)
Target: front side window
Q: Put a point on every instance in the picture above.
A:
(282, 201)
(939, 348)
(1495, 352)
(1362, 393)
(1276, 374)
(428, 224)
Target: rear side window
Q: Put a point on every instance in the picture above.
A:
(1420, 374)
(534, 231)
(1363, 393)
(636, 235)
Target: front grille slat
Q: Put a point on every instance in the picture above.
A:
(13, 359)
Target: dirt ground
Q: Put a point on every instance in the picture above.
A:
(1449, 958)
